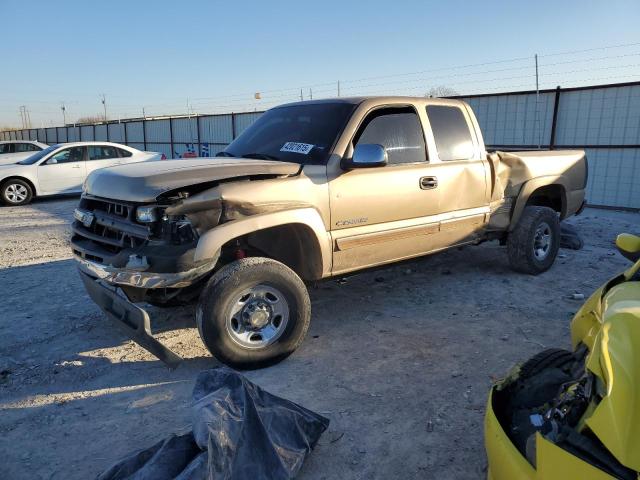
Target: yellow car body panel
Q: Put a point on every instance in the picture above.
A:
(553, 463)
(609, 325)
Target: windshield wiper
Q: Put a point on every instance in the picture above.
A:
(224, 154)
(261, 156)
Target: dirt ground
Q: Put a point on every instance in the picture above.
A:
(399, 359)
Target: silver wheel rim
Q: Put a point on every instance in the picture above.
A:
(542, 241)
(16, 193)
(258, 316)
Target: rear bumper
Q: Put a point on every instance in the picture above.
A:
(132, 320)
(142, 279)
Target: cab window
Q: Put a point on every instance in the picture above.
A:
(451, 132)
(102, 152)
(68, 155)
(399, 131)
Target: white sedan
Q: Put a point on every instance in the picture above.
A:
(12, 151)
(62, 168)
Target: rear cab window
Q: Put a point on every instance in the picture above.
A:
(451, 132)
(398, 130)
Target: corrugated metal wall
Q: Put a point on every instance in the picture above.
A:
(604, 120)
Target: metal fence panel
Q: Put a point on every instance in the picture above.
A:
(157, 131)
(216, 129)
(86, 133)
(514, 119)
(243, 120)
(51, 134)
(116, 132)
(62, 134)
(602, 116)
(185, 130)
(73, 134)
(135, 132)
(614, 174)
(101, 133)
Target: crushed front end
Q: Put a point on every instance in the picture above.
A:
(145, 251)
(575, 414)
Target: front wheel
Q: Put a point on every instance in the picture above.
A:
(253, 312)
(16, 192)
(533, 245)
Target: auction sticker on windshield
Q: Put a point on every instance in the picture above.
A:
(295, 147)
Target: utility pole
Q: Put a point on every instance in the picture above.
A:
(64, 113)
(22, 119)
(143, 114)
(301, 95)
(537, 119)
(104, 105)
(338, 87)
(310, 94)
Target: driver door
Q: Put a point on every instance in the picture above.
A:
(63, 172)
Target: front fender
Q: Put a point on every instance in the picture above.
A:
(531, 186)
(211, 242)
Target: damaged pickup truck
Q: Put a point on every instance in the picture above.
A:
(309, 191)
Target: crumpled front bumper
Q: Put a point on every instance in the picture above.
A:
(129, 318)
(142, 279)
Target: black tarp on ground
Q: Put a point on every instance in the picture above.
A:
(239, 432)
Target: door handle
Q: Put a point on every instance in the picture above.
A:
(75, 166)
(427, 183)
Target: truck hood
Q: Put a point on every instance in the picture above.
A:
(145, 181)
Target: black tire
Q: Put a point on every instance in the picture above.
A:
(16, 192)
(549, 358)
(217, 300)
(522, 241)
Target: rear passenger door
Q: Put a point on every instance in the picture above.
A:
(461, 170)
(101, 156)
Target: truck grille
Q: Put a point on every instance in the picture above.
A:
(111, 229)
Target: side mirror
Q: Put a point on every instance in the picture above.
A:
(366, 155)
(629, 246)
(52, 161)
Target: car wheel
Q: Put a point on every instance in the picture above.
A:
(253, 312)
(533, 245)
(16, 192)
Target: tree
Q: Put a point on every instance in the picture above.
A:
(91, 119)
(441, 91)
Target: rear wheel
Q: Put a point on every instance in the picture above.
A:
(16, 192)
(534, 243)
(253, 313)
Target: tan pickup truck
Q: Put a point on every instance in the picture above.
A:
(309, 191)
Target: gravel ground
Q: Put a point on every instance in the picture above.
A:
(399, 359)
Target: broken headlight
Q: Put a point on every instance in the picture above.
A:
(146, 214)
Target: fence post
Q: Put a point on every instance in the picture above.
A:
(144, 133)
(170, 136)
(198, 134)
(233, 126)
(126, 142)
(556, 102)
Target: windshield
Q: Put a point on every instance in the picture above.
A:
(299, 133)
(38, 155)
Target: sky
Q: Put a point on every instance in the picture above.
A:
(191, 56)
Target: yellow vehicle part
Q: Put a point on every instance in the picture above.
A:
(552, 462)
(609, 325)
